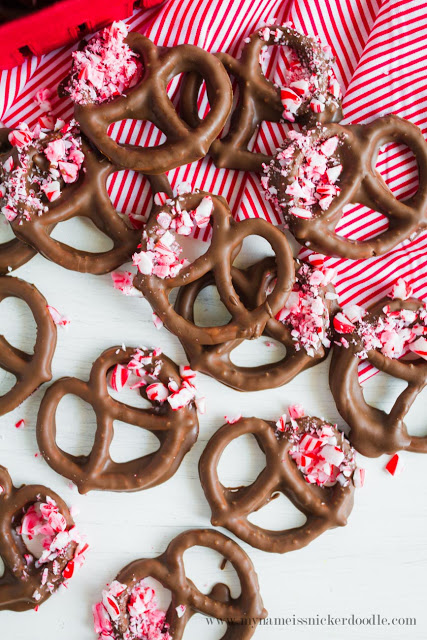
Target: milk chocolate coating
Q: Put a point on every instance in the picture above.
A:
(259, 99)
(30, 370)
(176, 431)
(215, 360)
(225, 244)
(88, 198)
(148, 100)
(360, 183)
(20, 581)
(373, 431)
(324, 507)
(13, 253)
(242, 614)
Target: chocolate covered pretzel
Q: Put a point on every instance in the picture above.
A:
(39, 544)
(389, 330)
(147, 100)
(172, 419)
(129, 608)
(30, 370)
(161, 269)
(315, 175)
(44, 187)
(302, 326)
(307, 459)
(309, 93)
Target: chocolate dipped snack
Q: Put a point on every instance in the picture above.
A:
(384, 336)
(172, 419)
(39, 544)
(13, 253)
(308, 93)
(161, 268)
(51, 175)
(307, 459)
(111, 59)
(129, 610)
(316, 174)
(302, 326)
(30, 370)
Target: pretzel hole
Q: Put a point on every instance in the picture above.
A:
(131, 397)
(382, 390)
(209, 311)
(398, 167)
(257, 352)
(361, 223)
(203, 567)
(140, 133)
(253, 249)
(251, 459)
(131, 442)
(6, 232)
(278, 514)
(7, 381)
(82, 234)
(130, 193)
(75, 425)
(17, 324)
(163, 595)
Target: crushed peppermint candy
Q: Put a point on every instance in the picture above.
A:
(25, 186)
(313, 182)
(104, 68)
(394, 333)
(305, 85)
(321, 452)
(143, 371)
(395, 465)
(123, 281)
(50, 541)
(58, 318)
(20, 424)
(138, 606)
(160, 255)
(306, 311)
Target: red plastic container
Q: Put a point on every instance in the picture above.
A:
(58, 25)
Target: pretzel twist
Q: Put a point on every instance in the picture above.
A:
(226, 241)
(373, 431)
(30, 370)
(21, 580)
(360, 183)
(242, 614)
(259, 99)
(148, 100)
(324, 508)
(216, 361)
(176, 431)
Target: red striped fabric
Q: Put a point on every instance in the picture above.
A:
(381, 63)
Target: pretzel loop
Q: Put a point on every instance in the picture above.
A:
(323, 508)
(175, 430)
(30, 370)
(148, 100)
(373, 431)
(226, 241)
(87, 198)
(169, 570)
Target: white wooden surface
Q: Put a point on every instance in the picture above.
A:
(377, 564)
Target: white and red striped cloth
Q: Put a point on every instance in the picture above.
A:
(381, 63)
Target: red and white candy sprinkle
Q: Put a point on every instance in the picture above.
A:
(145, 620)
(314, 186)
(322, 453)
(105, 68)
